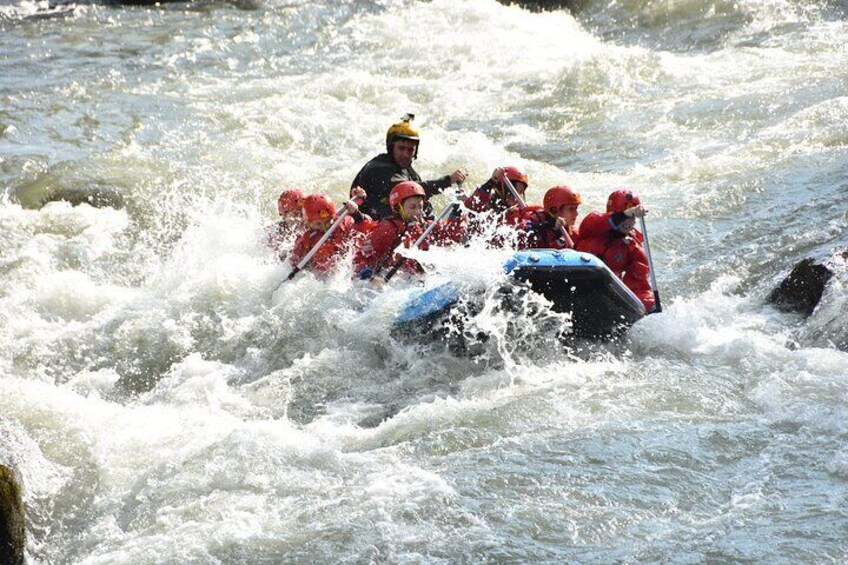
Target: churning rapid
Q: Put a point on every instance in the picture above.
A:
(168, 397)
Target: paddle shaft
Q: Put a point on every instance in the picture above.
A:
(512, 190)
(658, 304)
(317, 246)
(447, 209)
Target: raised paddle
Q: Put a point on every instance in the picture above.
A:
(512, 190)
(447, 210)
(657, 304)
(317, 246)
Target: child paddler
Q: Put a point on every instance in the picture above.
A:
(319, 212)
(555, 226)
(377, 254)
(501, 214)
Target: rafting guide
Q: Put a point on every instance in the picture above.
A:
(384, 171)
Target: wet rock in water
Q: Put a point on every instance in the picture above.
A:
(12, 537)
(802, 290)
(49, 187)
(546, 5)
(96, 197)
(240, 4)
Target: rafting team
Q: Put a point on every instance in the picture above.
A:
(388, 208)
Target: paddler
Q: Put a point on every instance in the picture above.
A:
(319, 211)
(406, 224)
(613, 237)
(555, 226)
(497, 209)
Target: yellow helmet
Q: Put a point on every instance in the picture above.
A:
(402, 130)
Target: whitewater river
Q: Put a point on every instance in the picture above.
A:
(167, 398)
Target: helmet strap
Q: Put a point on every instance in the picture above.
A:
(401, 212)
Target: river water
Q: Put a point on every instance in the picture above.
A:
(168, 398)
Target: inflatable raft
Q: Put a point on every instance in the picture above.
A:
(601, 306)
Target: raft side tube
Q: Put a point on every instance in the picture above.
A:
(574, 282)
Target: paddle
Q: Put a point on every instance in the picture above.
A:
(447, 210)
(515, 195)
(657, 304)
(317, 246)
(522, 205)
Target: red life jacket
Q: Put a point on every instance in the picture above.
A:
(336, 246)
(623, 254)
(544, 234)
(377, 250)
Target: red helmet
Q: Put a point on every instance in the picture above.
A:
(289, 201)
(404, 190)
(622, 199)
(514, 174)
(318, 207)
(559, 196)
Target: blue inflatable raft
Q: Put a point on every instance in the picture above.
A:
(601, 306)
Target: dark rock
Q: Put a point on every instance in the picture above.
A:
(95, 197)
(802, 290)
(12, 534)
(61, 187)
(546, 5)
(194, 4)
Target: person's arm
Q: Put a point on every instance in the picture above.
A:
(434, 187)
(363, 223)
(616, 218)
(481, 198)
(357, 197)
(538, 223)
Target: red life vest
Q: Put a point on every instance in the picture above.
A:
(377, 250)
(339, 243)
(623, 254)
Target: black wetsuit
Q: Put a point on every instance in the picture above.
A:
(380, 175)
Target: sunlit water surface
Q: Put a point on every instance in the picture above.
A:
(167, 397)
